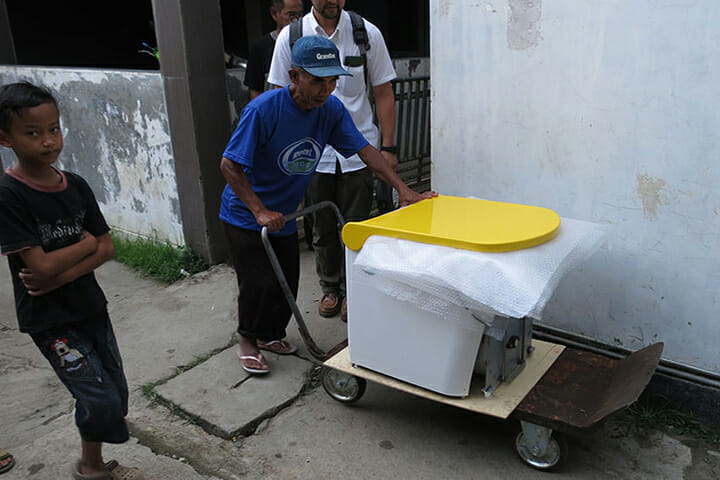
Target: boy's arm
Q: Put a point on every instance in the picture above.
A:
(47, 265)
(38, 285)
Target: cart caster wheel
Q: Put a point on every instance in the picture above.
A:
(551, 459)
(343, 387)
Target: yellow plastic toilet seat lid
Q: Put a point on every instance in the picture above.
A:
(468, 223)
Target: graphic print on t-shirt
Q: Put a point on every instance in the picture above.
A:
(65, 231)
(301, 157)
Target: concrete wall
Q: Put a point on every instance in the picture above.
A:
(116, 136)
(606, 111)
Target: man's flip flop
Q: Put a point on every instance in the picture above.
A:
(119, 472)
(256, 358)
(281, 347)
(115, 471)
(98, 476)
(6, 461)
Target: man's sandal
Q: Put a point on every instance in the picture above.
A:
(119, 472)
(6, 461)
(281, 347)
(259, 359)
(115, 471)
(96, 476)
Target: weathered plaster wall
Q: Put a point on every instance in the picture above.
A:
(116, 136)
(606, 111)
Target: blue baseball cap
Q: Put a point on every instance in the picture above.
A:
(318, 56)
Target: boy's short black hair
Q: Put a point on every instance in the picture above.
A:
(16, 97)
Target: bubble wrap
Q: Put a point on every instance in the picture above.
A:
(453, 282)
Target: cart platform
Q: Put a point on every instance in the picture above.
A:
(503, 401)
(582, 388)
(561, 388)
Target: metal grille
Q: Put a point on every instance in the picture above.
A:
(412, 130)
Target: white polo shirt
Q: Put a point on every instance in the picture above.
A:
(350, 90)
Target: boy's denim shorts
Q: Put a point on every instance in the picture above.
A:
(86, 358)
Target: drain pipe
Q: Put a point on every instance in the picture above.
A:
(674, 369)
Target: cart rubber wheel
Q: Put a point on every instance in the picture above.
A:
(341, 386)
(555, 455)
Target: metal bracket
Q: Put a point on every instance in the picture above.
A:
(535, 438)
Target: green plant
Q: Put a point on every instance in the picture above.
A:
(659, 413)
(148, 390)
(161, 261)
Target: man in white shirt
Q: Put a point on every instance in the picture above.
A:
(345, 181)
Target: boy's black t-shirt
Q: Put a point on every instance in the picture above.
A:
(52, 218)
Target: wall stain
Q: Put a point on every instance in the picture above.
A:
(650, 191)
(444, 8)
(523, 30)
(412, 66)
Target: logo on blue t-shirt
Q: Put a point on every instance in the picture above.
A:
(301, 157)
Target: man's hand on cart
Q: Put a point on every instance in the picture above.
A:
(408, 196)
(274, 221)
(384, 171)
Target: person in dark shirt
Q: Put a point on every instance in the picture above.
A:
(261, 51)
(54, 235)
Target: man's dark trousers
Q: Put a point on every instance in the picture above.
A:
(352, 192)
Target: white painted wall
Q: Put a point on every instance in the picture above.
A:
(606, 111)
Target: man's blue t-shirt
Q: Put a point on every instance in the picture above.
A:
(279, 146)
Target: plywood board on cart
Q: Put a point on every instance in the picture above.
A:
(501, 404)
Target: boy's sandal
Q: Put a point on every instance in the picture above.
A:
(118, 472)
(281, 347)
(6, 461)
(259, 359)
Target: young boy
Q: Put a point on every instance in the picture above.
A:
(54, 236)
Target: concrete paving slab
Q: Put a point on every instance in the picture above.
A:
(160, 328)
(32, 396)
(31, 399)
(52, 456)
(169, 435)
(226, 400)
(386, 434)
(390, 434)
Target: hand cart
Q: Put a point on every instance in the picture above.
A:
(574, 391)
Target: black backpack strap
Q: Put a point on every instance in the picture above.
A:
(295, 31)
(362, 40)
(360, 34)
